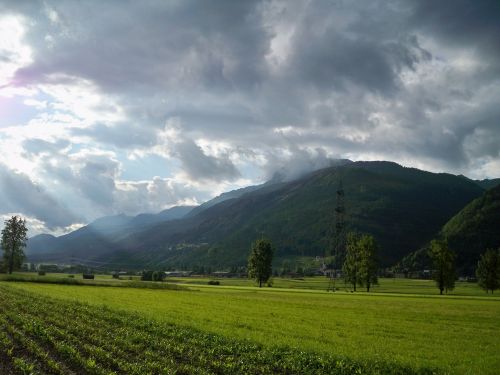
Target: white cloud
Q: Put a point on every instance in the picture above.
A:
(80, 98)
(14, 52)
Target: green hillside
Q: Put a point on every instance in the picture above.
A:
(475, 228)
(470, 232)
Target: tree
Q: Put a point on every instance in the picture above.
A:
(360, 265)
(14, 237)
(444, 265)
(352, 260)
(367, 248)
(488, 270)
(260, 261)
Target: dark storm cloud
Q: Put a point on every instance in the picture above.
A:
(20, 194)
(200, 166)
(358, 54)
(461, 22)
(150, 44)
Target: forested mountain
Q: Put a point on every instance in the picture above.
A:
(470, 232)
(402, 207)
(475, 228)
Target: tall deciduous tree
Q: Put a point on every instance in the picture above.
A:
(14, 237)
(360, 265)
(367, 248)
(351, 268)
(488, 270)
(444, 265)
(260, 261)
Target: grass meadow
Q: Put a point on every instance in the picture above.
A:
(403, 322)
(386, 285)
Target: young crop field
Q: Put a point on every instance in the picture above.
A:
(266, 331)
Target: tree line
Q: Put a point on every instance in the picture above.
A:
(443, 259)
(359, 267)
(360, 264)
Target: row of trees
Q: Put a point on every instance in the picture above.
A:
(443, 258)
(360, 265)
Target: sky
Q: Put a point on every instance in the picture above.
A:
(111, 107)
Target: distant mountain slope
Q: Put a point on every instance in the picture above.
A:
(221, 198)
(173, 213)
(43, 243)
(97, 238)
(488, 183)
(475, 228)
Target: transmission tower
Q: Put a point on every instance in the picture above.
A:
(339, 236)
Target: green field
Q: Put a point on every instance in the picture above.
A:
(400, 326)
(386, 285)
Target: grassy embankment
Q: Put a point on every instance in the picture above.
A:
(458, 334)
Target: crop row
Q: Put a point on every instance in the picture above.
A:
(50, 336)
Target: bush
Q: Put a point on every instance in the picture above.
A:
(41, 273)
(71, 276)
(158, 276)
(115, 276)
(213, 282)
(152, 276)
(88, 276)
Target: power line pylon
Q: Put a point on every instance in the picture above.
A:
(339, 237)
(340, 226)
